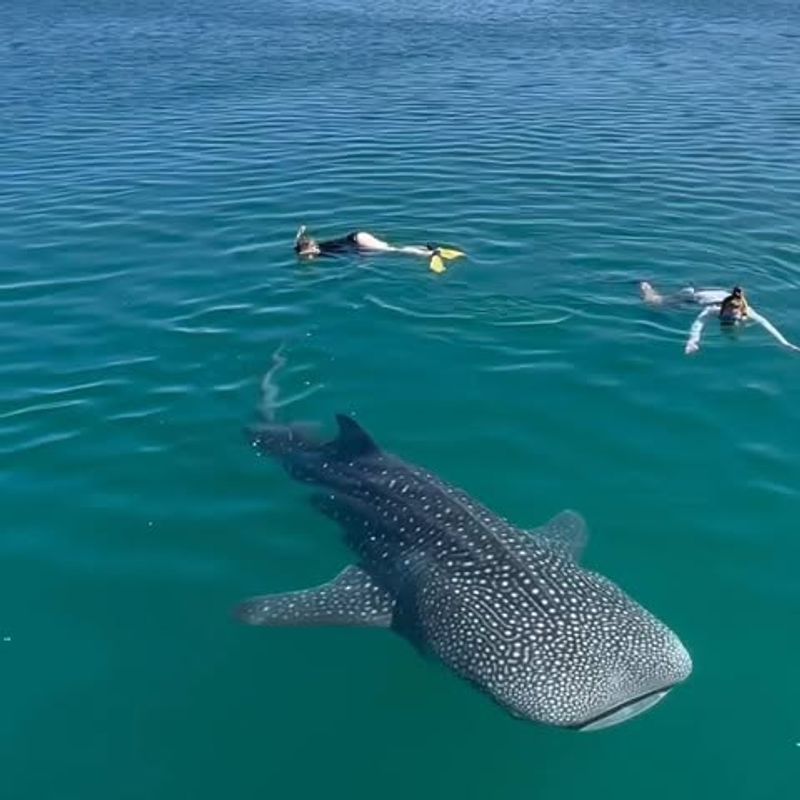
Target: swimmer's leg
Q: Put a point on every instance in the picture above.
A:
(366, 241)
(650, 295)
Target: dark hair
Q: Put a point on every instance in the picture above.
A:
(737, 291)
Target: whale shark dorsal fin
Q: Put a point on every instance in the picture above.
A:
(352, 599)
(566, 532)
(353, 441)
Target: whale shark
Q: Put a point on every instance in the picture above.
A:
(510, 610)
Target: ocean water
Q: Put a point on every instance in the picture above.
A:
(155, 160)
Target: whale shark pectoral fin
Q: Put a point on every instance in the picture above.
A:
(351, 599)
(565, 532)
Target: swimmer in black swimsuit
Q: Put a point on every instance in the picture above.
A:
(362, 242)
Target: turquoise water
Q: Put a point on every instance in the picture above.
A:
(156, 160)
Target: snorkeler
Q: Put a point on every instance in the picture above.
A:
(731, 308)
(362, 242)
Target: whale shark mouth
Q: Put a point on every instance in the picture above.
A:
(625, 711)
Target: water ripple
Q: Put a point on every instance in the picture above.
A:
(157, 160)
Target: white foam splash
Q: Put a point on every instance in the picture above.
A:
(269, 386)
(271, 400)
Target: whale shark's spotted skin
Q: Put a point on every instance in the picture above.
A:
(510, 610)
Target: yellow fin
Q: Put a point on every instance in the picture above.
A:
(449, 254)
(436, 264)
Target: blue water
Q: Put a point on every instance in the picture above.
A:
(156, 159)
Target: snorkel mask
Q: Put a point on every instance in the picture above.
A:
(304, 245)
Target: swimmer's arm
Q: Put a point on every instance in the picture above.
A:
(696, 331)
(768, 326)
